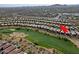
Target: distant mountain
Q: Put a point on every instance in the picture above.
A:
(58, 5)
(64, 5)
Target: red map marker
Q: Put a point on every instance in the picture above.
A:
(63, 28)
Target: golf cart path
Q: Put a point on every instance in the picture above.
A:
(75, 41)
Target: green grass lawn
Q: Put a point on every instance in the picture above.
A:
(47, 41)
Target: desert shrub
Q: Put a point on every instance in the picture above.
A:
(18, 28)
(36, 43)
(65, 39)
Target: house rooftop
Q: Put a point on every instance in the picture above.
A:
(9, 48)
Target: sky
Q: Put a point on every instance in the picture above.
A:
(41, 2)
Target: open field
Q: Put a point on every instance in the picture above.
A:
(45, 40)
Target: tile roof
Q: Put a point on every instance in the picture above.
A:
(8, 48)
